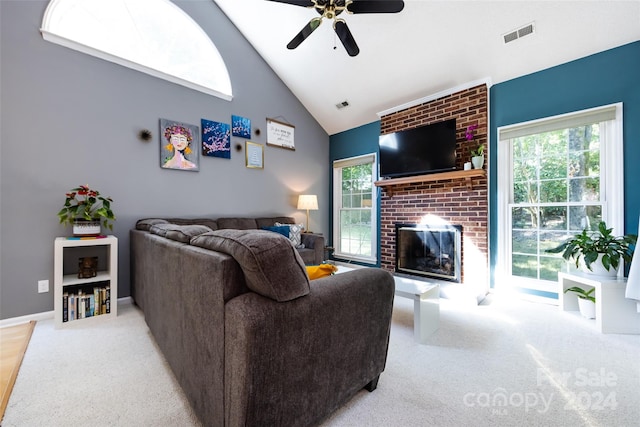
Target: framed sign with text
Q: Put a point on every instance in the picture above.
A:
(280, 134)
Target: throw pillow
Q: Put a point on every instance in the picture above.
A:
(322, 270)
(270, 263)
(294, 232)
(281, 229)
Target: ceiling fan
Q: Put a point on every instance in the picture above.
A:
(330, 9)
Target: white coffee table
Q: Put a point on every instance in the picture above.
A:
(426, 303)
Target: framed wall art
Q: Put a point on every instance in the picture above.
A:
(241, 126)
(280, 134)
(216, 139)
(179, 145)
(254, 155)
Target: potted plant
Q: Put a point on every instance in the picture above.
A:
(87, 211)
(477, 155)
(599, 252)
(586, 301)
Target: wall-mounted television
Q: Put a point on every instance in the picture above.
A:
(418, 151)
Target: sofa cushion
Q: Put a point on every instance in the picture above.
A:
(281, 229)
(271, 265)
(180, 233)
(145, 224)
(211, 223)
(237, 223)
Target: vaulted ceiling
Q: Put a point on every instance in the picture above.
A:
(430, 47)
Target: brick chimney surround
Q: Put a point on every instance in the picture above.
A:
(441, 197)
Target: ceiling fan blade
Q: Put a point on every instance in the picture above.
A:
(303, 3)
(304, 33)
(375, 6)
(345, 37)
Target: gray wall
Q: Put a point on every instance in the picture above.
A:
(69, 119)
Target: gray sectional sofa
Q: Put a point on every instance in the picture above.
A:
(250, 339)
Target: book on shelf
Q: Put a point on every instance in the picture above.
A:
(83, 301)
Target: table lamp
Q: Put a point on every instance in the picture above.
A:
(308, 202)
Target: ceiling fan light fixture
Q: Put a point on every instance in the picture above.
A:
(330, 9)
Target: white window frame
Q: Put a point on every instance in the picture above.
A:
(61, 17)
(338, 165)
(612, 181)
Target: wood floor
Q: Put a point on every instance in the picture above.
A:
(13, 344)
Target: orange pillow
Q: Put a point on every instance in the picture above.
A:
(322, 270)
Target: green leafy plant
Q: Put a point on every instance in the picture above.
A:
(581, 293)
(478, 151)
(84, 203)
(589, 245)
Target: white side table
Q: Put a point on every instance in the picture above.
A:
(426, 305)
(615, 314)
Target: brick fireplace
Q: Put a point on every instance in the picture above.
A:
(456, 201)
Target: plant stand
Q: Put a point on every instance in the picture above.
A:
(615, 314)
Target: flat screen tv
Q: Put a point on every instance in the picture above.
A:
(418, 151)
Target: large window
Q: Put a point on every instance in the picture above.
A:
(354, 202)
(152, 36)
(562, 175)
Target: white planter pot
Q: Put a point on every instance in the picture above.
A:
(85, 228)
(597, 269)
(587, 308)
(478, 162)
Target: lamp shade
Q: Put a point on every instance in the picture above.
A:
(308, 201)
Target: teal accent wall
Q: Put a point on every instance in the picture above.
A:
(352, 143)
(605, 78)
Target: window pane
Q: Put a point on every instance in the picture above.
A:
(552, 171)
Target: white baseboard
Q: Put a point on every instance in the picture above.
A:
(46, 315)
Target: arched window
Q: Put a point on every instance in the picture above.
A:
(152, 36)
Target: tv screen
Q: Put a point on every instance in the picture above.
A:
(417, 151)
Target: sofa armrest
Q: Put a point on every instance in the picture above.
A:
(293, 363)
(315, 242)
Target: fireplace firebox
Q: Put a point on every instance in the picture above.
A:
(429, 250)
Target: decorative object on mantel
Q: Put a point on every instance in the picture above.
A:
(85, 208)
(586, 301)
(308, 202)
(477, 155)
(280, 134)
(597, 252)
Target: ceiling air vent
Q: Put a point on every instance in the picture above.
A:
(341, 105)
(519, 33)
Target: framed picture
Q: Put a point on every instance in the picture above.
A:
(179, 145)
(216, 139)
(254, 155)
(241, 126)
(280, 134)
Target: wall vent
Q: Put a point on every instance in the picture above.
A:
(519, 33)
(341, 105)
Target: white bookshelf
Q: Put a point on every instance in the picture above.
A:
(66, 279)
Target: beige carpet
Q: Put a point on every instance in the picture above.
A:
(505, 363)
(13, 344)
